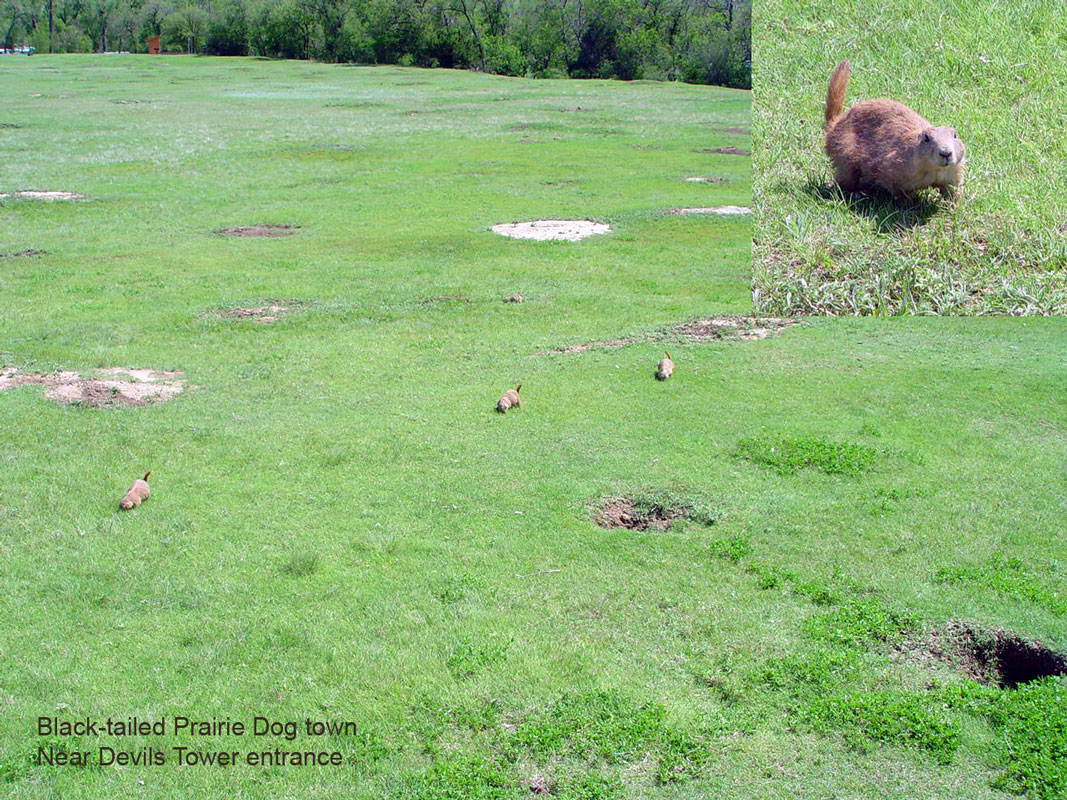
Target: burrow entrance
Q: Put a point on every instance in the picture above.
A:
(726, 328)
(624, 512)
(996, 657)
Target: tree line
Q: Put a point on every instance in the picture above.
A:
(698, 41)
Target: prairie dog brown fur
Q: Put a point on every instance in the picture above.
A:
(665, 367)
(136, 494)
(883, 144)
(510, 399)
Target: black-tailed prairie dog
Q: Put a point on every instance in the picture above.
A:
(883, 144)
(665, 367)
(510, 399)
(136, 494)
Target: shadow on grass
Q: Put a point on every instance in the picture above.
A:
(887, 213)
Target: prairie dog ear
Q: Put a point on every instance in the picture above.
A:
(926, 136)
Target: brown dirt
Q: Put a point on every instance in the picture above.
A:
(733, 327)
(710, 210)
(23, 254)
(513, 298)
(266, 314)
(734, 130)
(69, 388)
(995, 657)
(727, 328)
(268, 229)
(726, 151)
(541, 786)
(620, 512)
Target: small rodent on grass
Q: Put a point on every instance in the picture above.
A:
(884, 145)
(136, 494)
(665, 368)
(510, 399)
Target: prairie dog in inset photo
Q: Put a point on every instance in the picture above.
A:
(136, 494)
(665, 367)
(510, 399)
(883, 144)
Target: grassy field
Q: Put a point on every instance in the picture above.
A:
(342, 529)
(995, 72)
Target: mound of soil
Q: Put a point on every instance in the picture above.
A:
(69, 388)
(734, 130)
(725, 151)
(995, 657)
(620, 512)
(33, 194)
(647, 147)
(23, 254)
(733, 327)
(268, 313)
(711, 210)
(569, 230)
(267, 230)
(699, 179)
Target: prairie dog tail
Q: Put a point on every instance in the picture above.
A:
(835, 92)
(145, 478)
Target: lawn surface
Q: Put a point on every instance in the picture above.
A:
(339, 521)
(996, 72)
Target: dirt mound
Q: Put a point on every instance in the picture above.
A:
(700, 179)
(271, 312)
(70, 388)
(647, 147)
(734, 130)
(733, 327)
(33, 194)
(725, 151)
(269, 230)
(569, 230)
(995, 657)
(23, 254)
(711, 210)
(622, 512)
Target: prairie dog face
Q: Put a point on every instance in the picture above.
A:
(942, 146)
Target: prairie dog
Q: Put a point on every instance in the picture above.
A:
(665, 367)
(883, 144)
(510, 399)
(136, 494)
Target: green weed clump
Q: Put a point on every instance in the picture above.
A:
(810, 675)
(670, 504)
(464, 779)
(733, 548)
(1009, 576)
(909, 719)
(786, 455)
(470, 657)
(860, 621)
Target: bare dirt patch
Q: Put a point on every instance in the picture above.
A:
(514, 298)
(733, 327)
(701, 179)
(622, 512)
(34, 194)
(569, 230)
(995, 657)
(269, 230)
(710, 210)
(725, 151)
(575, 110)
(271, 312)
(734, 130)
(647, 147)
(144, 386)
(23, 254)
(727, 328)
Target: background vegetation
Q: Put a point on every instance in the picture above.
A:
(698, 41)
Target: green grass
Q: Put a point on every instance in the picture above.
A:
(339, 520)
(995, 72)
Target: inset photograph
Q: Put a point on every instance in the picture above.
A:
(909, 159)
